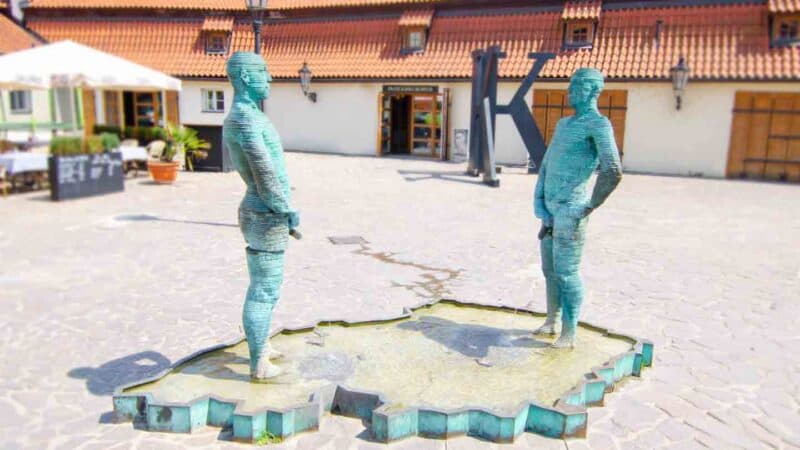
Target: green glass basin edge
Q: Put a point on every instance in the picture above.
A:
(567, 417)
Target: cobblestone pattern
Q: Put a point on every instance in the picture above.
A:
(103, 291)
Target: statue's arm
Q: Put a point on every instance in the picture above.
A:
(539, 208)
(610, 173)
(264, 171)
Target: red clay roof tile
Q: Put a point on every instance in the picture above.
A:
(779, 6)
(14, 37)
(209, 5)
(416, 18)
(217, 23)
(581, 9)
(720, 42)
(213, 5)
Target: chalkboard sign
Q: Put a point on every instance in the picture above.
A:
(85, 175)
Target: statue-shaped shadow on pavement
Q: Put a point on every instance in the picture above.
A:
(148, 217)
(472, 341)
(104, 379)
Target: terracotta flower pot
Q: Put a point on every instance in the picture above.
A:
(163, 172)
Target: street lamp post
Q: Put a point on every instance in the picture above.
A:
(257, 8)
(680, 77)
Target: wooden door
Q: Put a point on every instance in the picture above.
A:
(765, 136)
(444, 126)
(550, 105)
(112, 107)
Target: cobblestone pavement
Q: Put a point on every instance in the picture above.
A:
(103, 291)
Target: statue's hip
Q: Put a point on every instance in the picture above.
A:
(264, 230)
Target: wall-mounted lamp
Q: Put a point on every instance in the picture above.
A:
(305, 83)
(680, 76)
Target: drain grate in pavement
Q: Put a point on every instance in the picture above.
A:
(347, 240)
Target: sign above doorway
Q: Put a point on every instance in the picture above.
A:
(411, 89)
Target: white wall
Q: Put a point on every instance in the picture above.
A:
(692, 141)
(658, 138)
(343, 120)
(40, 108)
(191, 101)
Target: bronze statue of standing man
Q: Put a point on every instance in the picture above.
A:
(580, 145)
(265, 215)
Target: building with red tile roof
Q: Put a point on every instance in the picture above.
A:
(14, 35)
(733, 48)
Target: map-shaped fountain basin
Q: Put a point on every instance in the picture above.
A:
(442, 370)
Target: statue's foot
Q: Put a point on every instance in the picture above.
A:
(564, 341)
(274, 354)
(265, 371)
(546, 328)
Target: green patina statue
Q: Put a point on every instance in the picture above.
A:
(265, 216)
(580, 143)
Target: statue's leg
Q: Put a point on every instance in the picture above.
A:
(266, 277)
(551, 282)
(567, 251)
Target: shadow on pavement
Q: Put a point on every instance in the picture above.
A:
(104, 379)
(147, 217)
(456, 176)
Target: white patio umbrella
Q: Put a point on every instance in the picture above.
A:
(67, 64)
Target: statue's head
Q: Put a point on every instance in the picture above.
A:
(248, 74)
(584, 87)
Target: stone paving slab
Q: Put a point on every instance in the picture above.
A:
(103, 291)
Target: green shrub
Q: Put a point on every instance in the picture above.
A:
(101, 129)
(66, 146)
(94, 144)
(145, 135)
(110, 141)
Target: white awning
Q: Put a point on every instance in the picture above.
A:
(69, 64)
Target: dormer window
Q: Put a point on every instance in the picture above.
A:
(415, 39)
(786, 29)
(414, 25)
(217, 34)
(579, 34)
(216, 43)
(580, 19)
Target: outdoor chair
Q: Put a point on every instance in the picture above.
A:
(40, 149)
(155, 149)
(4, 182)
(130, 165)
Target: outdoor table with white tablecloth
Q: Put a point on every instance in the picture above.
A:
(18, 162)
(133, 153)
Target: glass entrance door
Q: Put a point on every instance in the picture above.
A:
(426, 125)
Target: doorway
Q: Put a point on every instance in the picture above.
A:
(412, 123)
(400, 115)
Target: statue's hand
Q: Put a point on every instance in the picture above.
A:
(580, 210)
(294, 219)
(545, 230)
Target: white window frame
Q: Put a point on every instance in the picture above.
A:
(412, 37)
(23, 103)
(222, 49)
(212, 100)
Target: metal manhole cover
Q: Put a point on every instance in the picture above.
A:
(347, 240)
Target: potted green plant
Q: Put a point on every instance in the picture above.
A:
(188, 145)
(182, 144)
